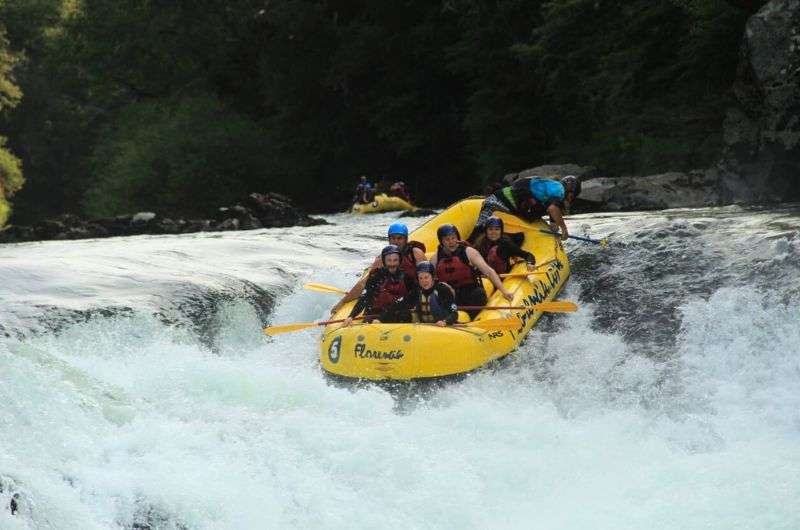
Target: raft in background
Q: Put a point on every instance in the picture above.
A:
(420, 351)
(383, 203)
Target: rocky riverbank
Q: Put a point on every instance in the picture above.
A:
(257, 210)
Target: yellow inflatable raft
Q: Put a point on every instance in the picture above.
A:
(383, 203)
(418, 351)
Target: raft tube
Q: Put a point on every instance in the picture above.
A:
(423, 351)
(383, 203)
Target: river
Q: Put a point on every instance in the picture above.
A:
(138, 392)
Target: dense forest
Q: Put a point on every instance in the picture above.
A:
(116, 106)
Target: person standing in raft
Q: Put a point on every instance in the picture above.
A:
(529, 198)
(411, 252)
(455, 264)
(498, 249)
(384, 287)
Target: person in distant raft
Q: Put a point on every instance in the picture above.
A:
(364, 192)
(411, 253)
(529, 198)
(384, 288)
(498, 249)
(398, 189)
(455, 263)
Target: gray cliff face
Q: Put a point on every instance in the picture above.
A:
(761, 159)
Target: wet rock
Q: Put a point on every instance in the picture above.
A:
(653, 192)
(761, 156)
(254, 211)
(552, 170)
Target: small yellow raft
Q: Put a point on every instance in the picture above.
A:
(383, 203)
(420, 351)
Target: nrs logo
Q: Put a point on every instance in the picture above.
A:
(334, 349)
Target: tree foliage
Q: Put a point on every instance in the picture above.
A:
(10, 167)
(178, 105)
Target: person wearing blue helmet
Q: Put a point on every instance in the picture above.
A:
(384, 288)
(411, 252)
(458, 264)
(529, 198)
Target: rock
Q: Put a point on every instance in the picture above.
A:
(143, 217)
(761, 132)
(551, 170)
(653, 192)
(228, 224)
(256, 211)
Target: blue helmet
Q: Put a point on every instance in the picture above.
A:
(398, 229)
(494, 221)
(446, 230)
(389, 249)
(426, 266)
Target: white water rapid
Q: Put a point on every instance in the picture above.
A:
(137, 391)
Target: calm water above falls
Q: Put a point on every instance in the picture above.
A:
(138, 392)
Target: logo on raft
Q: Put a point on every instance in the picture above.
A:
(334, 349)
(362, 352)
(541, 292)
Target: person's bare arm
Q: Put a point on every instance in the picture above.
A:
(477, 261)
(558, 218)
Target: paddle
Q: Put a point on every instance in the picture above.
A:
(322, 288)
(288, 328)
(511, 221)
(555, 306)
(602, 242)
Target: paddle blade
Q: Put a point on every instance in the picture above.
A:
(288, 328)
(556, 306)
(496, 323)
(603, 243)
(322, 288)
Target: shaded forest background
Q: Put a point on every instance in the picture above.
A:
(179, 106)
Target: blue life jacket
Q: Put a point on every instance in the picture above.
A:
(547, 191)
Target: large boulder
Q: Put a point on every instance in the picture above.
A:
(761, 157)
(653, 192)
(552, 170)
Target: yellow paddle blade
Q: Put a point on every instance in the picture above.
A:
(288, 328)
(496, 323)
(603, 243)
(322, 288)
(556, 306)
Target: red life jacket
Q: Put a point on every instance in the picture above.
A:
(407, 260)
(494, 260)
(455, 269)
(389, 291)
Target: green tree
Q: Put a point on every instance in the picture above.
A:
(10, 166)
(183, 157)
